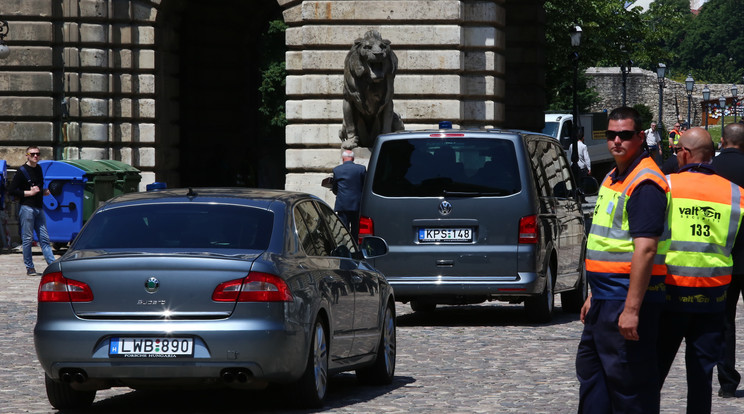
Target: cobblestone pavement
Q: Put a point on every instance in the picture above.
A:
(475, 359)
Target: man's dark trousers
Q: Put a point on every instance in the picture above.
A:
(617, 375)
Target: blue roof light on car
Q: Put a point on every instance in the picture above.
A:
(156, 186)
(445, 124)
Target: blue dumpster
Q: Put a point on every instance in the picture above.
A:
(76, 189)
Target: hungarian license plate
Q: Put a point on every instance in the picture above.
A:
(137, 347)
(440, 235)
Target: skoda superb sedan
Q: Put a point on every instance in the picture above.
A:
(213, 288)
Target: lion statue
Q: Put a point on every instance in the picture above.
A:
(369, 72)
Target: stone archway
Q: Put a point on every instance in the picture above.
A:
(209, 71)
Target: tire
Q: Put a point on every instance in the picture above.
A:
(421, 306)
(62, 397)
(540, 308)
(313, 385)
(383, 370)
(572, 301)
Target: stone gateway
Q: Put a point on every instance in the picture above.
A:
(369, 74)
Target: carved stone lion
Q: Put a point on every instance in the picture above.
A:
(369, 72)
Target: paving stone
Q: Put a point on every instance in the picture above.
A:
(476, 359)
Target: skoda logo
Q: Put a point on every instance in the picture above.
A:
(151, 285)
(445, 208)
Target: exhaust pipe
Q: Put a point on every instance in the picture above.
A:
(243, 376)
(228, 375)
(73, 375)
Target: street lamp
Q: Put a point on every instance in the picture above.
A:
(625, 68)
(734, 93)
(660, 72)
(706, 98)
(575, 43)
(4, 49)
(689, 86)
(722, 107)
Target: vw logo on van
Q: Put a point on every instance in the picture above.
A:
(445, 208)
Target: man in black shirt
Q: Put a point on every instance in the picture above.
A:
(729, 164)
(28, 187)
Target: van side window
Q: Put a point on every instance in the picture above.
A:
(551, 170)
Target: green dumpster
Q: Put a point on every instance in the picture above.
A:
(99, 186)
(127, 177)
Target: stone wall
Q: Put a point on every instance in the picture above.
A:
(79, 81)
(450, 67)
(642, 87)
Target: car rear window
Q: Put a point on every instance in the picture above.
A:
(201, 227)
(433, 167)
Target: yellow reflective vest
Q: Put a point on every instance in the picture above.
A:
(610, 246)
(704, 216)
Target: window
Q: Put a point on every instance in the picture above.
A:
(190, 227)
(430, 167)
(314, 237)
(344, 246)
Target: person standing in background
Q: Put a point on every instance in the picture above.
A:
(28, 187)
(348, 181)
(729, 164)
(653, 142)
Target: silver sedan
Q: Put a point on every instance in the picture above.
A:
(213, 288)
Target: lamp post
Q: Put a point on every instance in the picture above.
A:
(660, 72)
(4, 49)
(722, 106)
(575, 43)
(706, 98)
(689, 86)
(734, 93)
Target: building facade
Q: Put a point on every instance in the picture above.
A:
(170, 86)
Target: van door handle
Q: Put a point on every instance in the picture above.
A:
(445, 263)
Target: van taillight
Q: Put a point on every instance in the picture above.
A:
(366, 228)
(528, 230)
(56, 288)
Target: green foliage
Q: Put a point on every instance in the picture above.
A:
(646, 115)
(273, 78)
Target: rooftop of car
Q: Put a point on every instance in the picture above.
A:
(208, 194)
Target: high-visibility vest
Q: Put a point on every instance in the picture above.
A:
(674, 138)
(704, 216)
(610, 246)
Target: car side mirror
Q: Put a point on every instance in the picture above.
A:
(373, 246)
(589, 186)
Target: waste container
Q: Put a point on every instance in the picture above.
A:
(77, 188)
(127, 177)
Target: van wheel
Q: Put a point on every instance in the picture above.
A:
(383, 370)
(312, 386)
(61, 396)
(540, 308)
(421, 306)
(573, 300)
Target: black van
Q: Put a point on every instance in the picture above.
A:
(473, 216)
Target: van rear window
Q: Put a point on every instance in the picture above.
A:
(433, 167)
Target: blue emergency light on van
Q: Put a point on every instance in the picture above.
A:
(445, 124)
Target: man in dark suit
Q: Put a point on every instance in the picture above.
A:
(729, 164)
(348, 181)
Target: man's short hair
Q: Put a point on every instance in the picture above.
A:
(347, 154)
(734, 135)
(30, 147)
(626, 112)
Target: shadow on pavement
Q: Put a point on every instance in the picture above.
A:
(481, 315)
(343, 391)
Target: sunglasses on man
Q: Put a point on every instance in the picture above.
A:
(624, 135)
(34, 154)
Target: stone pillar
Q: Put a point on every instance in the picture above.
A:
(450, 67)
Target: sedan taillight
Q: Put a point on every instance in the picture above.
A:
(528, 230)
(256, 287)
(56, 288)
